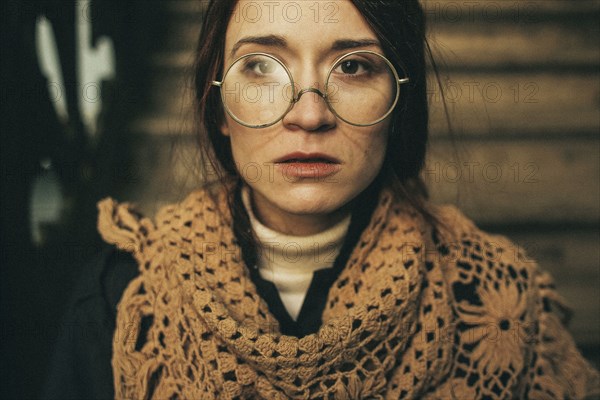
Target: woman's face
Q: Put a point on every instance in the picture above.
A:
(310, 163)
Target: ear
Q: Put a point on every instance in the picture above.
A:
(224, 128)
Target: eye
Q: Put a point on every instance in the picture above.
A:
(261, 66)
(352, 67)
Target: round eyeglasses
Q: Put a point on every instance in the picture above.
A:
(362, 88)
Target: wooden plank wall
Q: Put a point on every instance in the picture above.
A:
(522, 80)
(524, 89)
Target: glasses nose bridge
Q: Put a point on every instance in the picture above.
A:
(311, 74)
(310, 89)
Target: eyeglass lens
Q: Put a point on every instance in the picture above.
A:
(361, 89)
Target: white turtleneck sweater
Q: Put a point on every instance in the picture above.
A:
(290, 261)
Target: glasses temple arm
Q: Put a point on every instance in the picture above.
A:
(403, 80)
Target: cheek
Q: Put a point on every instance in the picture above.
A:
(247, 145)
(240, 151)
(375, 148)
(375, 158)
(236, 134)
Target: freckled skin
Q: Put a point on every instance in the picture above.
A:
(304, 206)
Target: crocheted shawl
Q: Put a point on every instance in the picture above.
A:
(414, 314)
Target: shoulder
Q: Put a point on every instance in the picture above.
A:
(104, 278)
(121, 224)
(90, 316)
(510, 316)
(461, 234)
(483, 266)
(489, 273)
(81, 362)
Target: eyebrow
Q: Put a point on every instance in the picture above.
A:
(268, 40)
(279, 41)
(349, 44)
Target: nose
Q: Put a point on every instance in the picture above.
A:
(310, 112)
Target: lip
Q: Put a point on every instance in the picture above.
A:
(300, 156)
(308, 165)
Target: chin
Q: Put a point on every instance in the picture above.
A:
(313, 201)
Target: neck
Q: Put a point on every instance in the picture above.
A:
(295, 224)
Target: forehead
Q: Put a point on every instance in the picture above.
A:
(310, 26)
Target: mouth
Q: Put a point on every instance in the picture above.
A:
(300, 166)
(307, 158)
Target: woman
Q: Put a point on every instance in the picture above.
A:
(315, 267)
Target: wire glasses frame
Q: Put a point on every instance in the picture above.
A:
(296, 97)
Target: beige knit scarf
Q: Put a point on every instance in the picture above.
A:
(396, 325)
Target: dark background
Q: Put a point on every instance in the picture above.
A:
(37, 278)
